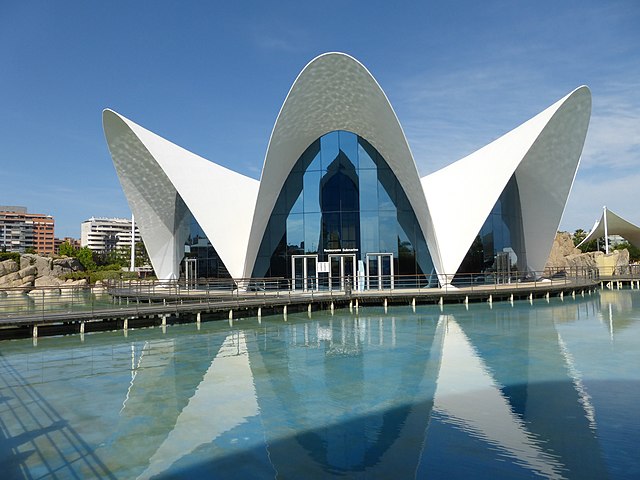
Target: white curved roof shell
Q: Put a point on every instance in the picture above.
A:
(163, 181)
(333, 92)
(543, 153)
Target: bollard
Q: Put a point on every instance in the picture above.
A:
(466, 300)
(259, 312)
(164, 320)
(81, 327)
(125, 325)
(198, 317)
(35, 331)
(230, 314)
(490, 299)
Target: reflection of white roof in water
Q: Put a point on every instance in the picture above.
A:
(615, 226)
(197, 424)
(468, 397)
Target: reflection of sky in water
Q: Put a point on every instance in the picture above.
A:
(550, 390)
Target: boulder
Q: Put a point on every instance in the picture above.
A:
(42, 264)
(7, 267)
(47, 282)
(62, 266)
(562, 247)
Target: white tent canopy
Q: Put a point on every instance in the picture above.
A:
(612, 224)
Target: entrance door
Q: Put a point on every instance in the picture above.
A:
(342, 270)
(304, 272)
(191, 271)
(379, 271)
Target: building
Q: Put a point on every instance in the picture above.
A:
(340, 199)
(74, 242)
(106, 235)
(21, 231)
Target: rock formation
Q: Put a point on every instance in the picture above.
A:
(565, 257)
(36, 271)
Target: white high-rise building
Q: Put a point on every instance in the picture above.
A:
(107, 234)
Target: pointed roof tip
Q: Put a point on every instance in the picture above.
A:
(581, 90)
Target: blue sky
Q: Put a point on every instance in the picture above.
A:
(211, 77)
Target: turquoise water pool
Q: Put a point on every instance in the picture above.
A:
(542, 390)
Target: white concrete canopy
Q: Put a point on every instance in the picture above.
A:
(543, 154)
(163, 182)
(615, 225)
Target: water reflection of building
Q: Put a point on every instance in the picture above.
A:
(375, 395)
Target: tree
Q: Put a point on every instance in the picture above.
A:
(578, 236)
(67, 250)
(85, 257)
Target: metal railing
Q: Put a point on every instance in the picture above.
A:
(144, 297)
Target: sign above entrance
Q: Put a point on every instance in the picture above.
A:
(340, 250)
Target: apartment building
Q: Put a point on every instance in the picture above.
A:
(105, 235)
(21, 230)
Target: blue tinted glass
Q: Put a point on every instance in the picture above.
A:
(316, 163)
(368, 190)
(295, 231)
(329, 149)
(312, 228)
(364, 158)
(388, 231)
(369, 231)
(311, 191)
(349, 145)
(500, 240)
(354, 204)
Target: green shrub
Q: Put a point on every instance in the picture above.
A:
(15, 256)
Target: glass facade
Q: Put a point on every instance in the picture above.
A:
(200, 256)
(343, 207)
(499, 248)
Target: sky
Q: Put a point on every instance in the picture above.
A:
(211, 76)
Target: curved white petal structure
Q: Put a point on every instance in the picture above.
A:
(334, 92)
(543, 153)
(163, 182)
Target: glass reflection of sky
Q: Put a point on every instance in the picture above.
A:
(549, 390)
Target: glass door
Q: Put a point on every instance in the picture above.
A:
(304, 272)
(190, 272)
(380, 271)
(342, 271)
